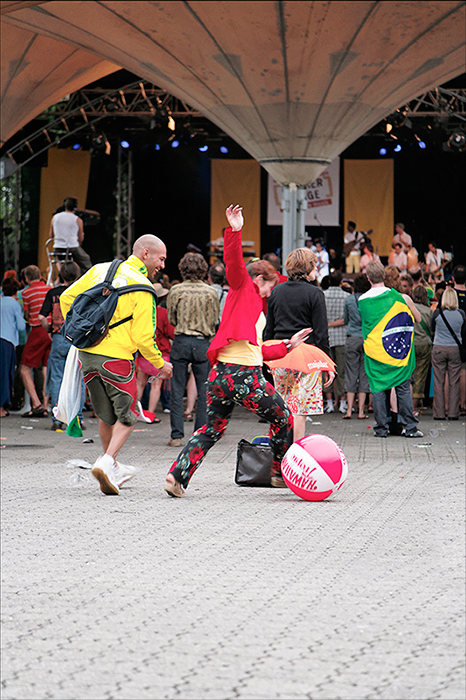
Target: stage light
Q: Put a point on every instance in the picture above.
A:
(157, 147)
(457, 141)
(171, 123)
(100, 143)
(397, 148)
(203, 148)
(76, 146)
(223, 149)
(383, 151)
(124, 144)
(175, 144)
(422, 145)
(395, 121)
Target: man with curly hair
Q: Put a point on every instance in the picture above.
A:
(193, 308)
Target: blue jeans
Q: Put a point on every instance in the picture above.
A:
(405, 409)
(188, 349)
(7, 370)
(55, 368)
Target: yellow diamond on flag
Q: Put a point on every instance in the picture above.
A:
(390, 341)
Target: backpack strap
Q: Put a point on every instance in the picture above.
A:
(118, 323)
(112, 270)
(126, 290)
(137, 288)
(452, 332)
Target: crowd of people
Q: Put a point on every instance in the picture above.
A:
(396, 337)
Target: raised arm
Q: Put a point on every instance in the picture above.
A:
(412, 308)
(235, 268)
(235, 218)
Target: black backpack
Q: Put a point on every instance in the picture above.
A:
(87, 321)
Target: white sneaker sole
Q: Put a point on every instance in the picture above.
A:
(106, 486)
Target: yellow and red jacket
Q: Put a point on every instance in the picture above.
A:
(138, 333)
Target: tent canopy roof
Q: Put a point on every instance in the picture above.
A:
(294, 83)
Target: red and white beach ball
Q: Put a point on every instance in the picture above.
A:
(314, 467)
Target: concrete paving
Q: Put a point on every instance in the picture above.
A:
(233, 592)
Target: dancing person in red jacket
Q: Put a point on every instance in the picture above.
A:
(236, 355)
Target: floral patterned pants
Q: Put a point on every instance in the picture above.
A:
(228, 385)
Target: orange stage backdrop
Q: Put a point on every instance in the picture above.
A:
(236, 182)
(368, 187)
(67, 175)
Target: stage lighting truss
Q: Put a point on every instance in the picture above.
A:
(437, 114)
(151, 109)
(81, 113)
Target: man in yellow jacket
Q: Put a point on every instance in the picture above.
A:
(109, 368)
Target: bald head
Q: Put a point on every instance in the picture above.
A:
(152, 252)
(148, 241)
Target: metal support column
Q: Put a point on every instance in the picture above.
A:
(294, 208)
(11, 220)
(301, 205)
(124, 230)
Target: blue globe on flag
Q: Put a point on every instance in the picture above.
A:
(396, 338)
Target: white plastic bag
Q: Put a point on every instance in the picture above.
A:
(69, 399)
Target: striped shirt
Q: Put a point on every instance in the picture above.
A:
(33, 298)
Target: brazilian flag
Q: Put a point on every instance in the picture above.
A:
(388, 332)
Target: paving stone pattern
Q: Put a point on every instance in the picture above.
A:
(233, 592)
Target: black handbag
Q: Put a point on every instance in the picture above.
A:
(461, 346)
(253, 464)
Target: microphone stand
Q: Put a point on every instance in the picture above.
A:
(324, 230)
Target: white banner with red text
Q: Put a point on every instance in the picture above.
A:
(322, 197)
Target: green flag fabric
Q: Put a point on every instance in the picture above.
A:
(388, 333)
(74, 428)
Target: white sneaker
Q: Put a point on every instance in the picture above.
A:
(123, 473)
(104, 472)
(329, 408)
(343, 407)
(166, 410)
(414, 434)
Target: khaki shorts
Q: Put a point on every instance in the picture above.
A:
(112, 385)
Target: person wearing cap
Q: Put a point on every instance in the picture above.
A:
(145, 370)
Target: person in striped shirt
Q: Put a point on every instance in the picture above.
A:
(37, 348)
